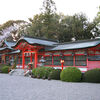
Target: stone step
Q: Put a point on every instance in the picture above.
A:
(17, 72)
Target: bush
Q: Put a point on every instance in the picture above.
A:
(92, 76)
(39, 72)
(1, 65)
(33, 71)
(42, 71)
(5, 69)
(71, 74)
(47, 71)
(55, 74)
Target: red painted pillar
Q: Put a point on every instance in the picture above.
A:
(23, 60)
(35, 63)
(52, 60)
(74, 60)
(31, 58)
(62, 66)
(87, 62)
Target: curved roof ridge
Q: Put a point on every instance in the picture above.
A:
(9, 44)
(41, 38)
(78, 41)
(37, 41)
(77, 45)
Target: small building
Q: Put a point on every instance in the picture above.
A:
(84, 54)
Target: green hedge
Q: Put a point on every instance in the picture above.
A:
(92, 76)
(5, 69)
(71, 74)
(47, 71)
(55, 74)
(33, 71)
(1, 66)
(39, 72)
(42, 72)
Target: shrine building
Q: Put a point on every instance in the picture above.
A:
(84, 54)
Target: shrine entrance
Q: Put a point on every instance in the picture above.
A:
(29, 53)
(29, 57)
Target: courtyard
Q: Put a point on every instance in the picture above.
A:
(26, 88)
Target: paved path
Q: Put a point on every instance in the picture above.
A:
(25, 88)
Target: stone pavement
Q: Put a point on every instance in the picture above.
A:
(25, 88)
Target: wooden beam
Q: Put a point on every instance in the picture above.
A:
(29, 51)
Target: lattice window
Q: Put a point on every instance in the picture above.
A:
(94, 58)
(68, 60)
(68, 52)
(39, 58)
(48, 53)
(17, 58)
(90, 52)
(57, 53)
(7, 59)
(27, 60)
(97, 52)
(33, 59)
(56, 60)
(20, 61)
(80, 60)
(48, 60)
(80, 52)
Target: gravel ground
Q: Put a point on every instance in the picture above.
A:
(25, 88)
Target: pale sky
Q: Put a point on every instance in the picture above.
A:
(24, 9)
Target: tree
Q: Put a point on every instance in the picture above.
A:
(96, 25)
(76, 26)
(65, 28)
(49, 13)
(49, 24)
(12, 29)
(45, 24)
(36, 26)
(81, 27)
(49, 7)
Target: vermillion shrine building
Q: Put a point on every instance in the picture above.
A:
(82, 54)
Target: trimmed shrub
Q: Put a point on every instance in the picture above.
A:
(1, 66)
(47, 71)
(92, 75)
(34, 72)
(5, 69)
(55, 74)
(71, 74)
(41, 72)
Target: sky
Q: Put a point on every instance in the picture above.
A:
(24, 9)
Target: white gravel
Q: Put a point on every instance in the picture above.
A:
(25, 88)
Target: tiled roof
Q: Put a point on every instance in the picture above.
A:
(13, 52)
(54, 45)
(6, 48)
(76, 45)
(39, 41)
(10, 44)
